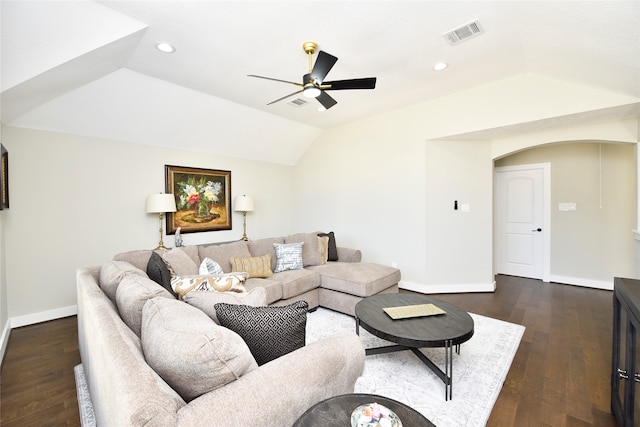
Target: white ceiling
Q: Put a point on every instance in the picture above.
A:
(74, 66)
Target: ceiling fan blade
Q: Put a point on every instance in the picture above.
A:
(275, 80)
(366, 83)
(284, 97)
(326, 100)
(324, 63)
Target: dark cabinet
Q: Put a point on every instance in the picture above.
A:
(625, 366)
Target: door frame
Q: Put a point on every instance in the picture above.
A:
(546, 215)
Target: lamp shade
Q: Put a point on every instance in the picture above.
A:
(160, 203)
(243, 203)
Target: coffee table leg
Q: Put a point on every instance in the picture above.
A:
(448, 370)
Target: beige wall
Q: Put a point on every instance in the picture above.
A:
(77, 201)
(596, 241)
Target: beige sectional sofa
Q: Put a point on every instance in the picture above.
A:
(151, 359)
(337, 285)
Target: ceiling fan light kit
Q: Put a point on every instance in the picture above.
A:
(313, 84)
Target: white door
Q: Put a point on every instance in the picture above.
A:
(521, 220)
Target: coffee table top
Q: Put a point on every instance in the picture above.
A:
(336, 411)
(430, 331)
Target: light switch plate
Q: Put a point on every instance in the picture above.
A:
(566, 207)
(465, 207)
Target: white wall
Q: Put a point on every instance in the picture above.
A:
(77, 201)
(387, 184)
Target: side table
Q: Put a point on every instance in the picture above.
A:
(336, 411)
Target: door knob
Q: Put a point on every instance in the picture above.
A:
(537, 229)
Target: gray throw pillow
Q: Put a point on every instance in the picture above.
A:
(270, 332)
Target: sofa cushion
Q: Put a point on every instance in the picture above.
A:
(231, 282)
(357, 278)
(132, 293)
(288, 256)
(271, 286)
(270, 332)
(310, 253)
(297, 282)
(160, 272)
(265, 247)
(181, 263)
(332, 248)
(259, 266)
(209, 266)
(205, 301)
(138, 258)
(112, 273)
(222, 254)
(189, 351)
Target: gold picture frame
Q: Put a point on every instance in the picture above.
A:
(203, 199)
(4, 178)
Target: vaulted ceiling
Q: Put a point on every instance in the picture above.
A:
(92, 68)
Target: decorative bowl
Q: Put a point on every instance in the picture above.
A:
(374, 415)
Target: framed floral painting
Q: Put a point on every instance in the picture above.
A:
(203, 199)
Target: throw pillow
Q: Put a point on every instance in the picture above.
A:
(288, 256)
(189, 351)
(160, 272)
(333, 249)
(232, 282)
(270, 332)
(131, 295)
(112, 273)
(310, 253)
(206, 301)
(180, 262)
(210, 267)
(323, 247)
(259, 266)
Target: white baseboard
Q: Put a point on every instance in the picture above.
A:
(587, 283)
(43, 316)
(4, 338)
(447, 288)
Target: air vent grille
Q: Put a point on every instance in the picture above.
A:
(465, 32)
(298, 102)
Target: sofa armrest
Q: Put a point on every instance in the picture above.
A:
(278, 392)
(349, 255)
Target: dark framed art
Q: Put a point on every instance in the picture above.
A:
(203, 199)
(4, 178)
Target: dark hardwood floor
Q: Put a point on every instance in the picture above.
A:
(559, 377)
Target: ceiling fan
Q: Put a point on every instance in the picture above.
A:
(313, 84)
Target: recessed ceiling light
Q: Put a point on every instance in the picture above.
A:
(321, 109)
(440, 66)
(165, 47)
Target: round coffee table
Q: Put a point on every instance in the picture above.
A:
(447, 330)
(336, 411)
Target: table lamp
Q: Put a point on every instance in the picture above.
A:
(161, 203)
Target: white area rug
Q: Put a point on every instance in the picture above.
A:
(478, 371)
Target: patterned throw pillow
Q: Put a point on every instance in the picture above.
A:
(270, 332)
(210, 267)
(258, 266)
(232, 282)
(288, 256)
